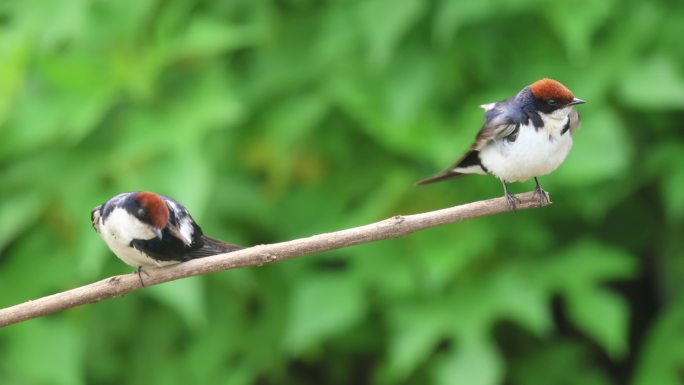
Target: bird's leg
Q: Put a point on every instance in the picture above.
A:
(139, 270)
(512, 199)
(543, 196)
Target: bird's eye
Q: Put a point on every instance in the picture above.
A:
(141, 212)
(552, 102)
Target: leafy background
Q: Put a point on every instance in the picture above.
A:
(272, 120)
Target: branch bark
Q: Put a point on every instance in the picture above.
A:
(394, 227)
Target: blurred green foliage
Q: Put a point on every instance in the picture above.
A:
(272, 120)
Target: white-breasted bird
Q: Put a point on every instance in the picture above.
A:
(145, 229)
(523, 137)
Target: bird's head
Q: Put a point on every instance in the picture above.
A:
(550, 95)
(150, 209)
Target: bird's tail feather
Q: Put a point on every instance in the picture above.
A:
(441, 176)
(212, 246)
(470, 163)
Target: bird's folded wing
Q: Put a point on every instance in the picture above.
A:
(498, 127)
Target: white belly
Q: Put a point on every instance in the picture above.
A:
(118, 232)
(533, 153)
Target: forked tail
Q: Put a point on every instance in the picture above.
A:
(441, 176)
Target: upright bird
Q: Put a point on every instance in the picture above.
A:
(523, 137)
(145, 229)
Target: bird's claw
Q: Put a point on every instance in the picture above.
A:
(512, 200)
(140, 270)
(542, 195)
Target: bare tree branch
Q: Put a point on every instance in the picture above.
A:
(394, 227)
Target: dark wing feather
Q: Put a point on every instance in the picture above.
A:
(471, 158)
(182, 239)
(500, 122)
(497, 126)
(171, 248)
(212, 246)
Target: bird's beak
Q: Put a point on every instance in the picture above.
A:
(158, 232)
(576, 101)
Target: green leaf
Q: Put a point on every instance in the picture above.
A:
(15, 53)
(397, 17)
(452, 15)
(656, 84)
(186, 297)
(577, 31)
(45, 351)
(603, 315)
(662, 356)
(415, 331)
(208, 36)
(558, 362)
(444, 261)
(322, 307)
(601, 150)
(17, 213)
(515, 294)
(590, 262)
(673, 189)
(474, 361)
